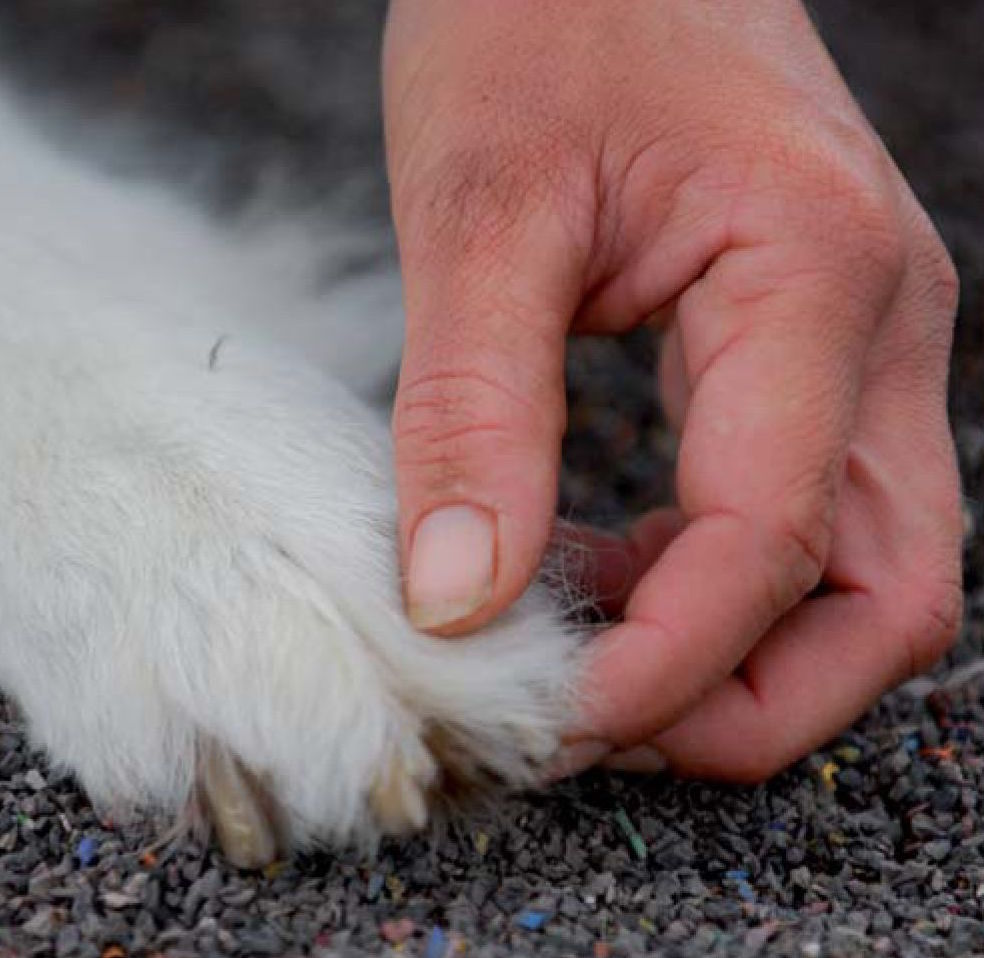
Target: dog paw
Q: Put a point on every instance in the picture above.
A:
(200, 605)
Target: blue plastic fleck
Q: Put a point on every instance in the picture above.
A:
(745, 891)
(911, 743)
(86, 850)
(532, 920)
(375, 886)
(740, 877)
(437, 943)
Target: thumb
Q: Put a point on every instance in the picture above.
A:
(479, 411)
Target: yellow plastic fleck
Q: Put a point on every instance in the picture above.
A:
(395, 887)
(481, 843)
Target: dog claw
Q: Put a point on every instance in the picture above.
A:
(397, 797)
(238, 808)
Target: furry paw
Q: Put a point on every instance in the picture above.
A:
(200, 603)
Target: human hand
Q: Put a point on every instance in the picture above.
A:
(588, 167)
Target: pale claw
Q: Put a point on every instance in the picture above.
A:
(237, 806)
(398, 796)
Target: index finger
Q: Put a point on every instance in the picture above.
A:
(774, 346)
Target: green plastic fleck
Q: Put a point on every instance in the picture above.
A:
(635, 840)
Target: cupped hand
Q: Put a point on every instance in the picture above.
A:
(586, 167)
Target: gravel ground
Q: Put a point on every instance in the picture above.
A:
(871, 846)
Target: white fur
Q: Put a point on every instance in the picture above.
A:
(198, 524)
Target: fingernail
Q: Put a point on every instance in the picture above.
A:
(642, 758)
(451, 564)
(576, 758)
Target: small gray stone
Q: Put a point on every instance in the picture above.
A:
(41, 924)
(801, 877)
(937, 850)
(34, 779)
(68, 941)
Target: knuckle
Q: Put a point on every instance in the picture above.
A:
(801, 535)
(939, 279)
(871, 233)
(471, 198)
(469, 202)
(945, 284)
(859, 221)
(807, 542)
(439, 419)
(935, 620)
